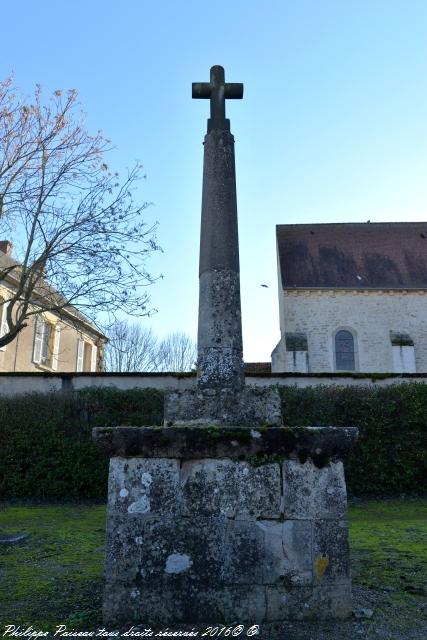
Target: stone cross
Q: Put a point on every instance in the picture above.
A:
(220, 350)
(218, 91)
(221, 395)
(196, 532)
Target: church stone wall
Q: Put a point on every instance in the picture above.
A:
(368, 315)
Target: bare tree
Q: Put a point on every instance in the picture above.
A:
(131, 347)
(81, 239)
(177, 352)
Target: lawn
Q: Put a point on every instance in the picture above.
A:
(55, 575)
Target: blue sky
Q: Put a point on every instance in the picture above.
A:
(332, 127)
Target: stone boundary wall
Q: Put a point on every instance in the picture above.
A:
(19, 383)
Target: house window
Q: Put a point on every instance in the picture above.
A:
(86, 356)
(4, 327)
(80, 354)
(93, 357)
(344, 351)
(46, 343)
(403, 352)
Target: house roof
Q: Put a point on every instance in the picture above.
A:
(378, 255)
(257, 367)
(8, 265)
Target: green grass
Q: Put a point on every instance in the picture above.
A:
(55, 575)
(389, 545)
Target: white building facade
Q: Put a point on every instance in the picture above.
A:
(352, 297)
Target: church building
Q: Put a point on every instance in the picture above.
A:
(352, 297)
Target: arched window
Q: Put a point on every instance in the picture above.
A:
(344, 351)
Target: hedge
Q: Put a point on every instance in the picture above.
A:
(46, 445)
(47, 450)
(391, 455)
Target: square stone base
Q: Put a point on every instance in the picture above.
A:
(247, 407)
(219, 540)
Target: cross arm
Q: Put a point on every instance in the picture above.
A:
(232, 90)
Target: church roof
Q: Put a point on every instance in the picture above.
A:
(254, 368)
(379, 255)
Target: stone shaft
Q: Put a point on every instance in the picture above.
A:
(220, 350)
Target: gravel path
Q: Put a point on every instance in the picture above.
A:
(391, 620)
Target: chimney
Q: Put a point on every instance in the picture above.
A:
(6, 247)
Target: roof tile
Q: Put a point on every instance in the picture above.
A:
(379, 255)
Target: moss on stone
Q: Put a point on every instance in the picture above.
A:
(241, 435)
(262, 459)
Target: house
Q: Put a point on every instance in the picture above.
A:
(51, 341)
(352, 297)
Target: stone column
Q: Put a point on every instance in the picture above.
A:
(220, 351)
(221, 396)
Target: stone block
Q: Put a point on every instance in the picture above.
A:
(142, 486)
(190, 442)
(166, 551)
(331, 556)
(244, 554)
(331, 601)
(247, 407)
(204, 540)
(308, 603)
(310, 492)
(297, 548)
(274, 561)
(288, 552)
(176, 552)
(288, 604)
(230, 488)
(127, 605)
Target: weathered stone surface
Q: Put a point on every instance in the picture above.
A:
(220, 347)
(230, 488)
(192, 442)
(220, 360)
(274, 561)
(247, 407)
(126, 604)
(310, 492)
(297, 547)
(173, 552)
(214, 532)
(243, 603)
(144, 486)
(285, 604)
(330, 601)
(166, 551)
(244, 554)
(288, 550)
(331, 556)
(308, 603)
